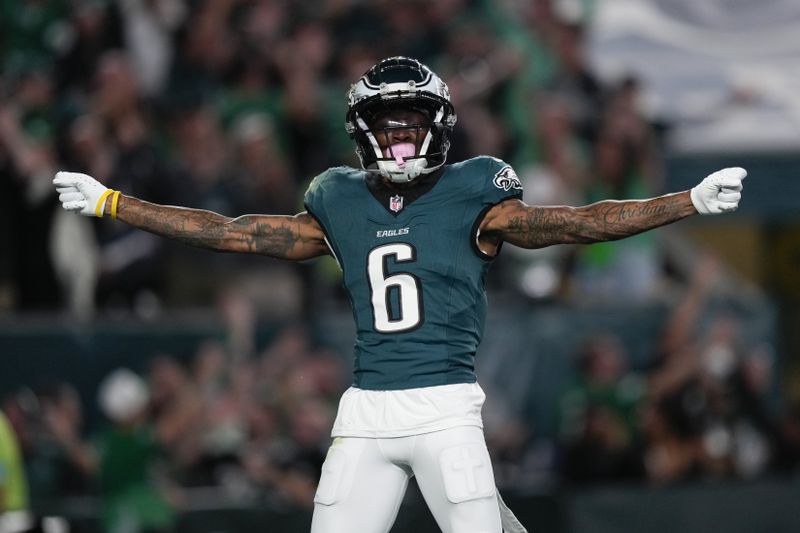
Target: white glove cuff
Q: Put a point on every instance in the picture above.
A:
(698, 202)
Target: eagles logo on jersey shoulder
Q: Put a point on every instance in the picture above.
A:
(507, 179)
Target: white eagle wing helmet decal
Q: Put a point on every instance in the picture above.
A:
(400, 82)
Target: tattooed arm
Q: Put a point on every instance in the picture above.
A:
(536, 227)
(285, 237)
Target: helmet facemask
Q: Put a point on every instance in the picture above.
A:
(381, 148)
(400, 84)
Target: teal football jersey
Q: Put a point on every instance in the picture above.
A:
(412, 268)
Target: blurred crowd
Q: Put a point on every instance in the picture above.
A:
(235, 105)
(704, 407)
(254, 430)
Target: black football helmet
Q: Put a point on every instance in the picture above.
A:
(400, 83)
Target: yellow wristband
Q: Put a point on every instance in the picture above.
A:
(114, 202)
(98, 209)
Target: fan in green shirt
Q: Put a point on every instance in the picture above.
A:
(13, 483)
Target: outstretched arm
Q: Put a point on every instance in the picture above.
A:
(536, 227)
(293, 238)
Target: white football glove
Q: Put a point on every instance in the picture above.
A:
(719, 192)
(81, 193)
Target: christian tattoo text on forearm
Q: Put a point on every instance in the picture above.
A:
(602, 221)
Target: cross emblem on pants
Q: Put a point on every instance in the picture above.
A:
(468, 465)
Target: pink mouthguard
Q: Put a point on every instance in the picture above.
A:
(399, 151)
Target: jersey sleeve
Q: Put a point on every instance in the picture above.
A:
(314, 198)
(318, 197)
(500, 182)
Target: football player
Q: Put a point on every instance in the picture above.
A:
(414, 238)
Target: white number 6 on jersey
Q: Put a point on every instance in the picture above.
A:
(382, 285)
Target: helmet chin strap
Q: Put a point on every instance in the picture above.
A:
(413, 166)
(412, 169)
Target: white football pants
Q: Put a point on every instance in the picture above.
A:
(364, 479)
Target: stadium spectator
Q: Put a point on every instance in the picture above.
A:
(58, 463)
(629, 269)
(132, 268)
(599, 416)
(176, 413)
(710, 390)
(14, 505)
(27, 152)
(122, 459)
(133, 487)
